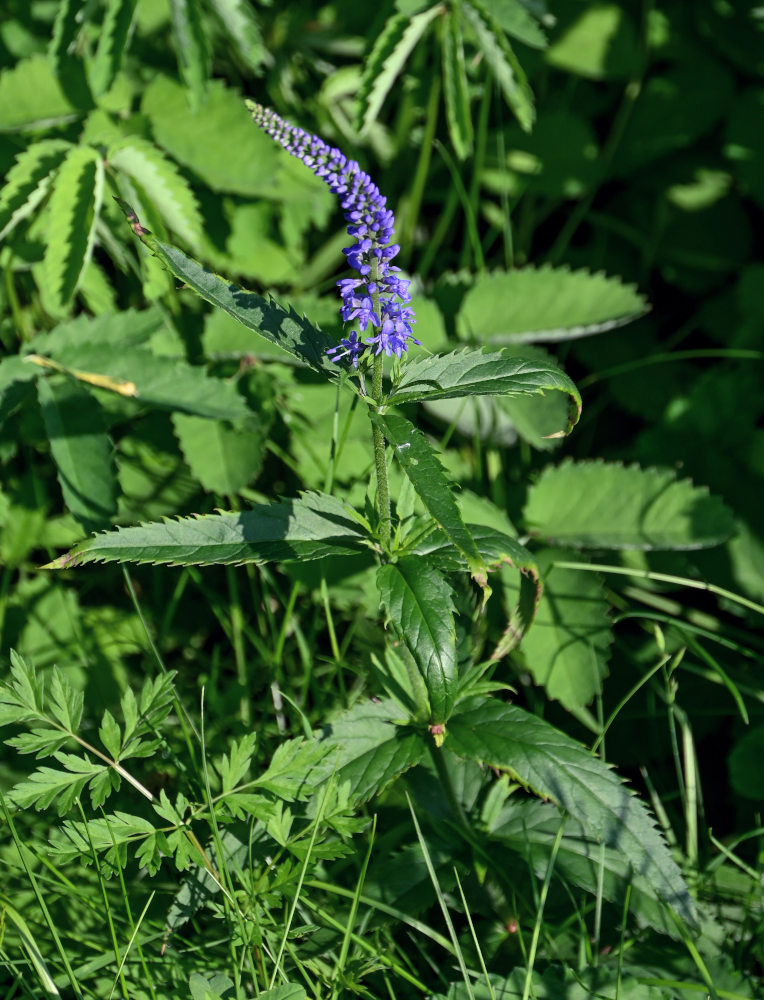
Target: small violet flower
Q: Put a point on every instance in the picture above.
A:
(371, 224)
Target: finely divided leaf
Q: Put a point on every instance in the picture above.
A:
(264, 316)
(112, 41)
(456, 88)
(545, 304)
(81, 450)
(475, 373)
(422, 466)
(160, 179)
(418, 602)
(554, 766)
(605, 505)
(73, 208)
(312, 527)
(388, 57)
(28, 181)
(191, 47)
(503, 62)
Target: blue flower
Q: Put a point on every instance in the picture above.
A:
(371, 224)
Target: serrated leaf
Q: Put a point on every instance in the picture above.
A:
(129, 707)
(41, 742)
(605, 505)
(224, 457)
(296, 768)
(243, 30)
(514, 18)
(14, 376)
(475, 373)
(161, 181)
(112, 42)
(110, 735)
(73, 209)
(191, 47)
(419, 605)
(234, 765)
(264, 316)
(31, 96)
(64, 702)
(64, 54)
(312, 527)
(81, 450)
(455, 87)
(395, 44)
(372, 748)
(47, 785)
(503, 62)
(554, 766)
(545, 304)
(72, 840)
(129, 328)
(28, 181)
(567, 650)
(422, 466)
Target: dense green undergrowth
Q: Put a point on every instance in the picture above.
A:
(437, 677)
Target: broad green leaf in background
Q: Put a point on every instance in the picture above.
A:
(475, 373)
(598, 44)
(422, 466)
(605, 505)
(161, 181)
(372, 747)
(191, 47)
(28, 181)
(74, 206)
(224, 457)
(311, 527)
(566, 651)
(386, 60)
(456, 87)
(745, 764)
(545, 304)
(112, 40)
(554, 766)
(81, 450)
(264, 316)
(503, 62)
(120, 331)
(516, 19)
(14, 374)
(419, 605)
(31, 96)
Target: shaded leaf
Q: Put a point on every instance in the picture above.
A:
(29, 180)
(243, 30)
(224, 457)
(605, 505)
(455, 87)
(554, 766)
(112, 41)
(314, 526)
(31, 96)
(191, 47)
(419, 605)
(81, 450)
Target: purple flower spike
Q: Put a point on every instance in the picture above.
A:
(371, 224)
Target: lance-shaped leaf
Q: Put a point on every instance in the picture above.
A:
(81, 450)
(423, 468)
(418, 602)
(112, 42)
(283, 327)
(74, 207)
(28, 181)
(604, 505)
(475, 373)
(455, 86)
(556, 767)
(312, 527)
(372, 747)
(191, 47)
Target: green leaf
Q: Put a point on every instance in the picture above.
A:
(234, 765)
(47, 785)
(371, 748)
(191, 47)
(72, 840)
(545, 304)
(74, 206)
(14, 374)
(567, 649)
(475, 373)
(422, 466)
(28, 181)
(224, 457)
(64, 702)
(455, 87)
(81, 450)
(556, 767)
(386, 60)
(110, 735)
(112, 42)
(514, 18)
(119, 331)
(605, 505)
(502, 61)
(138, 373)
(217, 142)
(31, 96)
(599, 44)
(243, 30)
(283, 327)
(419, 605)
(312, 527)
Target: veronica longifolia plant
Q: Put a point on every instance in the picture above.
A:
(438, 700)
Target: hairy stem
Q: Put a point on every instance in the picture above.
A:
(380, 460)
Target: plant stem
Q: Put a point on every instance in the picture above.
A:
(380, 460)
